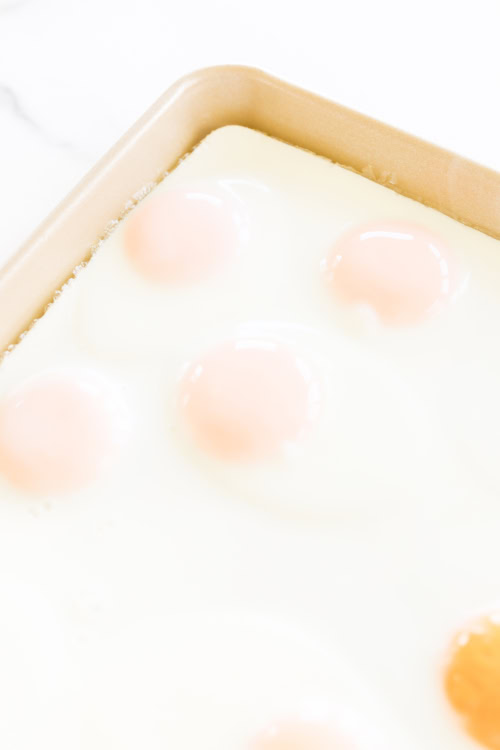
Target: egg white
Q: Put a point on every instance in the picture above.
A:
(216, 680)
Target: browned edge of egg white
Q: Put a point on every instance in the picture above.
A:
(188, 111)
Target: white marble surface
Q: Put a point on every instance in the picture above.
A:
(74, 75)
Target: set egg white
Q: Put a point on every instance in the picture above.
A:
(473, 421)
(34, 648)
(217, 680)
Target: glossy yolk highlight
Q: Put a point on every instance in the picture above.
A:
(472, 681)
(247, 399)
(183, 234)
(55, 433)
(398, 269)
(300, 735)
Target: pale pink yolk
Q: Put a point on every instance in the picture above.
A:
(55, 434)
(400, 270)
(300, 735)
(183, 234)
(247, 399)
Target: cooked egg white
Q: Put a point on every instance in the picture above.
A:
(201, 599)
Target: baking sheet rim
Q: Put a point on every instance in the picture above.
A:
(191, 108)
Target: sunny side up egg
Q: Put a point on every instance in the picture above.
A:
(268, 355)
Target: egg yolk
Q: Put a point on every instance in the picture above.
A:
(55, 433)
(472, 680)
(184, 233)
(401, 271)
(247, 399)
(300, 735)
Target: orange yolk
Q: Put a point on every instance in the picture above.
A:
(183, 234)
(55, 433)
(400, 270)
(300, 735)
(472, 681)
(247, 399)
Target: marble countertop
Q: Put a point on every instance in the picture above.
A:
(75, 75)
